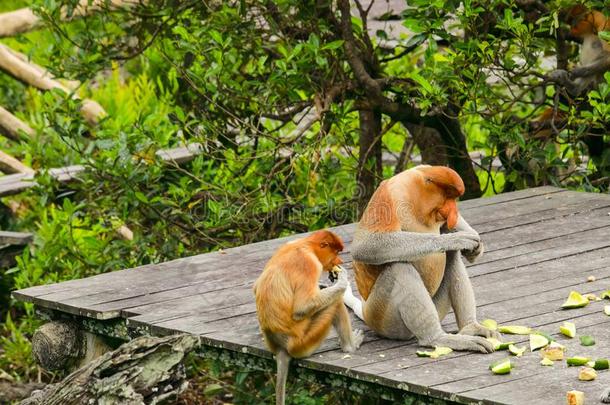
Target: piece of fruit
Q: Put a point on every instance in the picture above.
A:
(605, 294)
(575, 300)
(586, 340)
(553, 353)
(501, 366)
(546, 335)
(587, 374)
(568, 329)
(438, 351)
(592, 297)
(576, 398)
(546, 362)
(601, 364)
(604, 35)
(577, 361)
(515, 330)
(494, 342)
(490, 324)
(538, 342)
(607, 310)
(516, 350)
(591, 279)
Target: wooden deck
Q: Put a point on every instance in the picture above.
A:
(541, 244)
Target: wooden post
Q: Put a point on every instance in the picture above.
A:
(29, 73)
(12, 127)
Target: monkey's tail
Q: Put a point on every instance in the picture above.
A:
(282, 359)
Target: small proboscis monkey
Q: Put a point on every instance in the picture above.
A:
(409, 270)
(295, 316)
(594, 52)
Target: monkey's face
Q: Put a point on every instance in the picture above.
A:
(439, 189)
(326, 246)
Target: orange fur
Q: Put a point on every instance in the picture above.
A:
(290, 279)
(417, 200)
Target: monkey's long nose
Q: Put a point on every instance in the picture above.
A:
(450, 212)
(337, 261)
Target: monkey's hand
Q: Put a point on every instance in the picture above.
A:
(474, 254)
(342, 281)
(464, 241)
(476, 329)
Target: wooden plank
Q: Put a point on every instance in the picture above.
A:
(512, 196)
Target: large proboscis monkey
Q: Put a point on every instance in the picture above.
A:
(408, 270)
(295, 316)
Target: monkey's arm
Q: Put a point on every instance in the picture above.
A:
(305, 307)
(400, 246)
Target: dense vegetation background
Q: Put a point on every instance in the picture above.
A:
(301, 108)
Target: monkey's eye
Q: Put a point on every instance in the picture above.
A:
(324, 244)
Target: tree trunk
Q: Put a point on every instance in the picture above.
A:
(143, 371)
(429, 143)
(369, 160)
(458, 158)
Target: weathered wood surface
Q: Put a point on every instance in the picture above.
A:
(540, 244)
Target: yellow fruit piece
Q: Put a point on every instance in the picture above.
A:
(538, 342)
(576, 398)
(607, 310)
(490, 324)
(552, 353)
(575, 300)
(587, 374)
(501, 367)
(568, 329)
(515, 330)
(546, 362)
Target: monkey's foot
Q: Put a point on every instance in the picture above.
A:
(357, 338)
(605, 398)
(463, 342)
(476, 329)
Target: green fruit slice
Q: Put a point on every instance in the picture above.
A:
(605, 294)
(490, 324)
(538, 342)
(516, 350)
(607, 310)
(515, 330)
(546, 362)
(587, 340)
(601, 364)
(575, 300)
(438, 351)
(577, 361)
(604, 35)
(501, 366)
(568, 329)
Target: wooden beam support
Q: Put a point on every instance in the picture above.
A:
(10, 165)
(24, 20)
(12, 127)
(29, 73)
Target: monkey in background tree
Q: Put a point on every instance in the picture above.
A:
(408, 270)
(295, 316)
